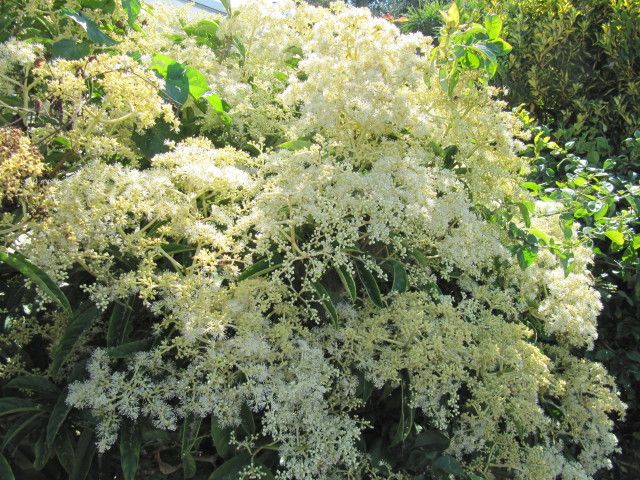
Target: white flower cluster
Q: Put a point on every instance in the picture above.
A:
(347, 156)
(16, 55)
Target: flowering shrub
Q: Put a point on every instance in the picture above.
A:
(272, 245)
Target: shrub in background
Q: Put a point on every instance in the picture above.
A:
(574, 66)
(272, 245)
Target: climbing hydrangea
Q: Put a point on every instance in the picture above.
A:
(329, 239)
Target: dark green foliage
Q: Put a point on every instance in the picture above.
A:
(575, 67)
(425, 18)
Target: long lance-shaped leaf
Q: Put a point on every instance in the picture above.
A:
(370, 284)
(5, 469)
(58, 415)
(82, 320)
(400, 279)
(130, 450)
(347, 281)
(325, 299)
(37, 276)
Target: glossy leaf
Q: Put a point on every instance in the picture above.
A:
(400, 278)
(83, 319)
(327, 303)
(230, 469)
(119, 325)
(246, 420)
(57, 417)
(85, 451)
(126, 349)
(39, 385)
(448, 464)
(37, 276)
(21, 428)
(65, 451)
(6, 473)
(93, 31)
(130, 445)
(11, 405)
(69, 49)
(261, 267)
(431, 440)
(370, 284)
(297, 144)
(348, 282)
(220, 437)
(493, 24)
(132, 7)
(42, 452)
(615, 236)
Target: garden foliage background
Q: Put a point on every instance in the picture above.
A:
(200, 278)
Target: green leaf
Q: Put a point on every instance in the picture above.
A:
(227, 5)
(21, 428)
(216, 102)
(180, 81)
(431, 440)
(493, 24)
(220, 437)
(452, 16)
(205, 31)
(188, 436)
(526, 257)
(37, 276)
(119, 326)
(85, 451)
(6, 473)
(11, 405)
(58, 415)
(230, 469)
(82, 320)
(448, 464)
(405, 423)
(107, 6)
(525, 210)
(534, 187)
(197, 82)
(152, 141)
(370, 284)
(246, 420)
(37, 384)
(176, 82)
(540, 235)
(188, 465)
(636, 242)
(64, 451)
(130, 444)
(69, 49)
(261, 267)
(126, 349)
(326, 301)
(566, 224)
(400, 279)
(175, 248)
(189, 433)
(365, 387)
(42, 452)
(348, 282)
(615, 236)
(132, 7)
(93, 31)
(599, 215)
(297, 144)
(581, 212)
(420, 258)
